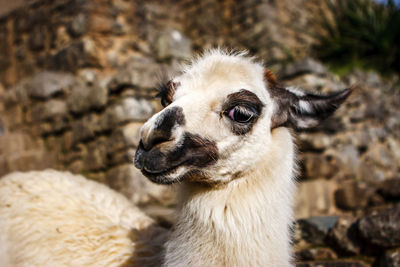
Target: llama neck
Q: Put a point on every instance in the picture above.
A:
(246, 222)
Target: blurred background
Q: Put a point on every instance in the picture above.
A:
(78, 79)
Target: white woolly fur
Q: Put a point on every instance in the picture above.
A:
(51, 218)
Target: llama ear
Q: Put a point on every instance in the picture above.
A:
(303, 111)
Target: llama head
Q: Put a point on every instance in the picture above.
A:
(219, 117)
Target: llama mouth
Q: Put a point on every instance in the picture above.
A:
(161, 177)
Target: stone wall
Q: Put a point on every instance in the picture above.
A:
(78, 76)
(77, 81)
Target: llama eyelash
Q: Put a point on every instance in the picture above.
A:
(166, 92)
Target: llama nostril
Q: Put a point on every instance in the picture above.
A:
(154, 141)
(161, 129)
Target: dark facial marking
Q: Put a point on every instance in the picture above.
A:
(166, 92)
(245, 100)
(164, 125)
(193, 151)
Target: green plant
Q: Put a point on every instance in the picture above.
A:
(361, 33)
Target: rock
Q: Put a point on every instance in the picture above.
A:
(390, 189)
(97, 176)
(77, 153)
(352, 196)
(50, 110)
(343, 236)
(78, 25)
(391, 258)
(336, 263)
(85, 128)
(126, 155)
(394, 147)
(314, 82)
(377, 164)
(37, 38)
(84, 98)
(319, 166)
(67, 140)
(90, 76)
(370, 173)
(313, 198)
(137, 73)
(2, 128)
(129, 181)
(307, 65)
(312, 254)
(17, 94)
(76, 55)
(314, 141)
(56, 126)
(61, 37)
(31, 160)
(101, 24)
(172, 44)
(76, 167)
(348, 158)
(125, 136)
(46, 84)
(17, 142)
(95, 159)
(382, 229)
(380, 155)
(15, 117)
(128, 109)
(314, 229)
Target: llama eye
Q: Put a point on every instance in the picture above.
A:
(240, 114)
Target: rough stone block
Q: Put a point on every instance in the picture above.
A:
(76, 55)
(85, 128)
(128, 109)
(17, 142)
(84, 98)
(121, 157)
(78, 25)
(49, 110)
(76, 167)
(172, 44)
(137, 73)
(314, 230)
(382, 229)
(314, 198)
(390, 189)
(31, 160)
(47, 83)
(46, 128)
(124, 137)
(391, 258)
(344, 237)
(352, 195)
(77, 153)
(95, 159)
(307, 65)
(312, 254)
(319, 166)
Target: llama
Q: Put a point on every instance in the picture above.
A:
(223, 138)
